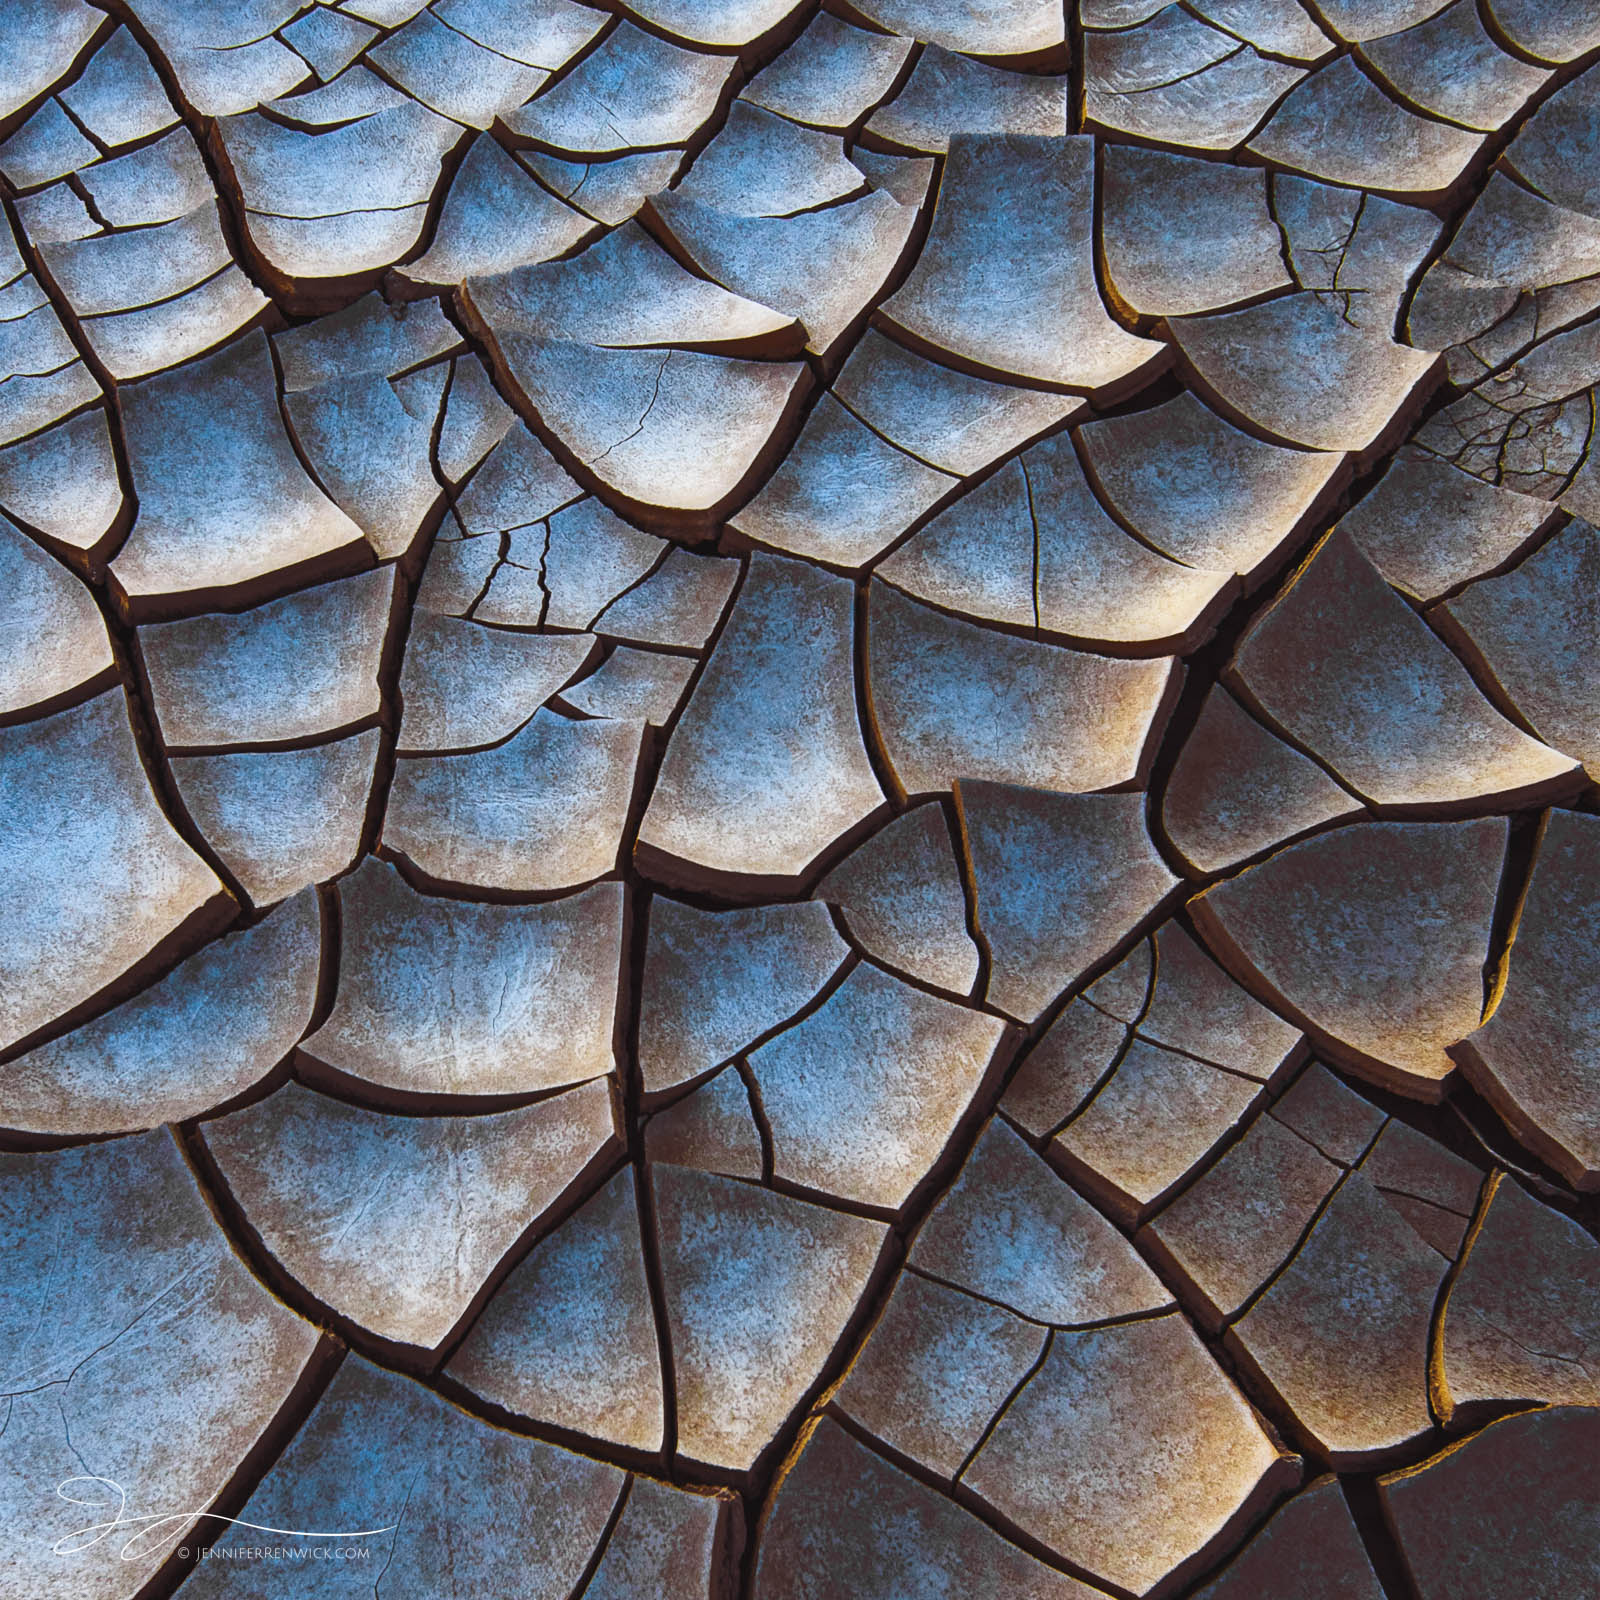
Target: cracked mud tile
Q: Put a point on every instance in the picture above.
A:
(1329, 1115)
(953, 700)
(1176, 80)
(1125, 991)
(1033, 547)
(570, 1338)
(366, 430)
(464, 686)
(1450, 66)
(54, 637)
(1435, 1191)
(448, 997)
(216, 1024)
(715, 981)
(720, 24)
(1517, 270)
(1197, 1008)
(823, 267)
(842, 495)
(766, 767)
(950, 95)
(327, 40)
(1372, 938)
(1011, 28)
(1429, 527)
(1183, 236)
(1339, 126)
(292, 669)
(1006, 279)
(161, 286)
(1522, 1318)
(63, 481)
(596, 345)
(224, 60)
(226, 512)
(1529, 426)
(669, 1543)
(864, 1094)
(1155, 1459)
(1556, 31)
(445, 70)
(635, 91)
(1534, 1057)
(96, 880)
(908, 178)
(838, 1508)
(495, 218)
(1226, 1234)
(1311, 1548)
(1011, 1231)
(42, 380)
(1294, 368)
(1358, 20)
(902, 898)
(519, 483)
(759, 1288)
(51, 215)
(939, 1366)
(1341, 1335)
(46, 147)
(41, 39)
(952, 420)
(124, 1290)
(1527, 1488)
(341, 202)
(1535, 633)
(1062, 1070)
(1157, 1117)
(762, 165)
(1357, 252)
(711, 1129)
(632, 684)
(1276, 27)
(1237, 789)
(610, 189)
(396, 1222)
(1200, 490)
(542, 33)
(678, 606)
(1551, 151)
(23, 292)
(1343, 666)
(1061, 879)
(443, 1503)
(351, 97)
(564, 574)
(475, 419)
(157, 182)
(281, 819)
(545, 810)
(143, 339)
(831, 76)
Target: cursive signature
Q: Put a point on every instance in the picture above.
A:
(138, 1543)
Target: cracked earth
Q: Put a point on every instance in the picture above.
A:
(797, 802)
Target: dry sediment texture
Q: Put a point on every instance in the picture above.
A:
(797, 799)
